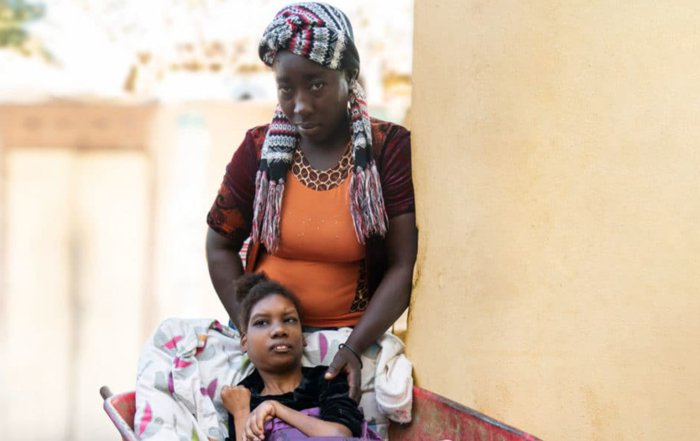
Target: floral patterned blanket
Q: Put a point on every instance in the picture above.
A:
(186, 362)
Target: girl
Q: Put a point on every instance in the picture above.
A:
(298, 399)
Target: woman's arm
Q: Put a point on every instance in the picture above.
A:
(388, 302)
(230, 220)
(308, 425)
(225, 266)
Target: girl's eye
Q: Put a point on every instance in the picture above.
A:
(260, 323)
(315, 87)
(291, 320)
(285, 89)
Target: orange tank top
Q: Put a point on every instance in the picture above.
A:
(319, 257)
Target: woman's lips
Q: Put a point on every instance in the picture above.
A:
(307, 128)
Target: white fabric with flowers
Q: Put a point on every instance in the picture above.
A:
(185, 363)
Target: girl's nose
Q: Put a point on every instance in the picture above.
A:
(278, 330)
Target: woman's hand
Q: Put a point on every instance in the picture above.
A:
(388, 302)
(346, 361)
(255, 428)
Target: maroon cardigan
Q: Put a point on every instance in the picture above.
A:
(232, 212)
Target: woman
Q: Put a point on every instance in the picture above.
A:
(325, 190)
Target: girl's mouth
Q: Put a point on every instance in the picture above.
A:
(281, 348)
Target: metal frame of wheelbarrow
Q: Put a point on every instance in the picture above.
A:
(434, 418)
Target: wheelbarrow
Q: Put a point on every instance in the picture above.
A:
(434, 418)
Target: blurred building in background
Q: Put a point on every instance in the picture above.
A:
(117, 119)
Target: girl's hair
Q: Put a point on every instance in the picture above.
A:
(251, 288)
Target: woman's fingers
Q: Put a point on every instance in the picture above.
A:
(331, 372)
(342, 362)
(338, 363)
(354, 377)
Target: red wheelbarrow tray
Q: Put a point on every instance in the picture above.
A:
(434, 418)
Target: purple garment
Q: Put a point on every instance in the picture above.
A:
(278, 430)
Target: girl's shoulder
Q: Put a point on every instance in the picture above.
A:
(315, 377)
(253, 381)
(314, 373)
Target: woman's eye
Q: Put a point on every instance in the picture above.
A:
(316, 86)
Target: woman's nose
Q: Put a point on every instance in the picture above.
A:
(302, 104)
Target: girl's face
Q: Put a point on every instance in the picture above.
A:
(273, 340)
(314, 98)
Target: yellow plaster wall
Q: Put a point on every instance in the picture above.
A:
(557, 174)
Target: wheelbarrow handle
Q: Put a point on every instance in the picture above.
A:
(105, 392)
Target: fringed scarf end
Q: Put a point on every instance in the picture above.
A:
(270, 234)
(262, 184)
(367, 203)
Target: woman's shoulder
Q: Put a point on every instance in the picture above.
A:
(386, 128)
(256, 136)
(259, 130)
(388, 136)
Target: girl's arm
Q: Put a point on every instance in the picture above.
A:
(236, 400)
(240, 419)
(308, 425)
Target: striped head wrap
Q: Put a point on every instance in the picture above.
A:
(323, 34)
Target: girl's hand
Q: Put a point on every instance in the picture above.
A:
(235, 399)
(345, 361)
(255, 428)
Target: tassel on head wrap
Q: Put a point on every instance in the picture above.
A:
(322, 34)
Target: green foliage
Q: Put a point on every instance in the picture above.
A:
(15, 15)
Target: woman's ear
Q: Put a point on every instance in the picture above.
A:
(303, 339)
(352, 74)
(244, 341)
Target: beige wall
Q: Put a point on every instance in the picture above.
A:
(75, 278)
(190, 145)
(99, 242)
(557, 175)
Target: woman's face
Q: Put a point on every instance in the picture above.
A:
(314, 98)
(273, 340)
